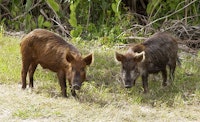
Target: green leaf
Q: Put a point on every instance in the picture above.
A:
(152, 6)
(72, 7)
(114, 7)
(28, 5)
(54, 5)
(72, 20)
(73, 33)
(28, 18)
(33, 24)
(76, 32)
(40, 21)
(47, 24)
(28, 22)
(16, 2)
(16, 26)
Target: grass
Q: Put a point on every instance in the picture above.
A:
(102, 96)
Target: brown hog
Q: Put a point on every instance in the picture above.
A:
(151, 56)
(52, 52)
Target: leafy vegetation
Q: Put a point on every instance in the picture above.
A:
(108, 20)
(187, 11)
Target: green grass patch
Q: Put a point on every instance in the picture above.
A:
(35, 111)
(9, 60)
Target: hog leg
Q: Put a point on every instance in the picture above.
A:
(133, 83)
(25, 66)
(62, 81)
(145, 82)
(31, 73)
(164, 76)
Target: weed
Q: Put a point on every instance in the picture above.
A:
(1, 31)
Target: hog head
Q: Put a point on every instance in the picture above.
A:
(76, 73)
(130, 66)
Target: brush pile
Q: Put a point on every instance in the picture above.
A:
(190, 35)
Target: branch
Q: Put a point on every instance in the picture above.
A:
(61, 27)
(43, 13)
(171, 13)
(136, 37)
(27, 11)
(187, 49)
(2, 6)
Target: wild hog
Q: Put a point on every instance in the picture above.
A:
(151, 56)
(52, 52)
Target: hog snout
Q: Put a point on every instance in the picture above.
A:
(128, 84)
(76, 86)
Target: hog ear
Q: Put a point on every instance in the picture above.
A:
(139, 57)
(70, 57)
(119, 57)
(88, 59)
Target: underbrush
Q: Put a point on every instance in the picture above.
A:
(103, 85)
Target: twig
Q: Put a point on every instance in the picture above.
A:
(58, 21)
(119, 46)
(185, 29)
(189, 17)
(172, 26)
(186, 12)
(43, 13)
(135, 26)
(61, 27)
(187, 49)
(88, 18)
(2, 6)
(136, 37)
(27, 11)
(171, 13)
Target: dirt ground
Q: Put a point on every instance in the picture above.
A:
(17, 105)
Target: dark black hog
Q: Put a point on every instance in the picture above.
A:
(151, 56)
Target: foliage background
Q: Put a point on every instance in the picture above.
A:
(93, 19)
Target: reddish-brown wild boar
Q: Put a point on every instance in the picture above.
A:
(52, 52)
(151, 56)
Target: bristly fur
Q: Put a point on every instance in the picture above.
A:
(151, 56)
(138, 48)
(52, 52)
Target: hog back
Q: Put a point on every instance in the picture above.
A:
(47, 49)
(160, 50)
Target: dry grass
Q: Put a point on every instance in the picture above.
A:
(18, 105)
